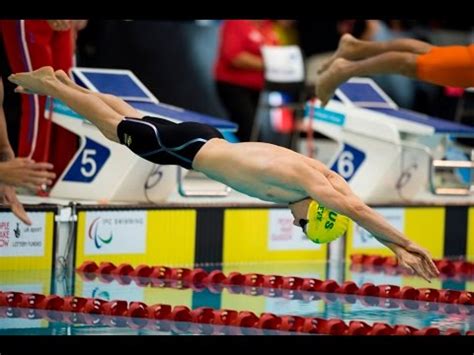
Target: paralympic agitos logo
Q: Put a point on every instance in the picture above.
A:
(99, 240)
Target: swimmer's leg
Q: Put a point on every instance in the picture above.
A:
(115, 103)
(448, 66)
(341, 70)
(43, 82)
(352, 48)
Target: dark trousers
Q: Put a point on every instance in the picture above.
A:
(241, 105)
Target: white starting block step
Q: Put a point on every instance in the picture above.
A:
(102, 170)
(388, 154)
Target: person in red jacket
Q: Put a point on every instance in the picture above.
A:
(32, 44)
(239, 69)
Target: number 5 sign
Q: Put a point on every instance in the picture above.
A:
(88, 163)
(348, 161)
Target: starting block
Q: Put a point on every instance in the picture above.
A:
(104, 170)
(388, 154)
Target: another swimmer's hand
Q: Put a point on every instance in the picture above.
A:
(417, 259)
(9, 198)
(26, 173)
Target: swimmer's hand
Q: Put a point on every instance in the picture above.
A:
(415, 258)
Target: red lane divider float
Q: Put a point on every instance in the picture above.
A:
(367, 296)
(133, 323)
(389, 264)
(140, 315)
(159, 275)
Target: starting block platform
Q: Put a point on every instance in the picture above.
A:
(388, 154)
(102, 170)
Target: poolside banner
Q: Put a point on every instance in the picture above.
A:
(23, 246)
(427, 226)
(115, 232)
(283, 235)
(136, 236)
(19, 239)
(363, 239)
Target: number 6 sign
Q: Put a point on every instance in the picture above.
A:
(348, 161)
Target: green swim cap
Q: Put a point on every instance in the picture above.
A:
(324, 225)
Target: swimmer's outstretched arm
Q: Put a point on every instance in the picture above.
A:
(114, 102)
(320, 189)
(44, 82)
(335, 193)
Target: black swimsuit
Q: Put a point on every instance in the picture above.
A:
(164, 142)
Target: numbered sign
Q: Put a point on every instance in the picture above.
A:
(348, 161)
(88, 163)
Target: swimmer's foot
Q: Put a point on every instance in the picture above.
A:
(41, 81)
(66, 80)
(328, 82)
(349, 48)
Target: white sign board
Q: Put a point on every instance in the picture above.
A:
(283, 64)
(19, 239)
(283, 235)
(115, 232)
(362, 239)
